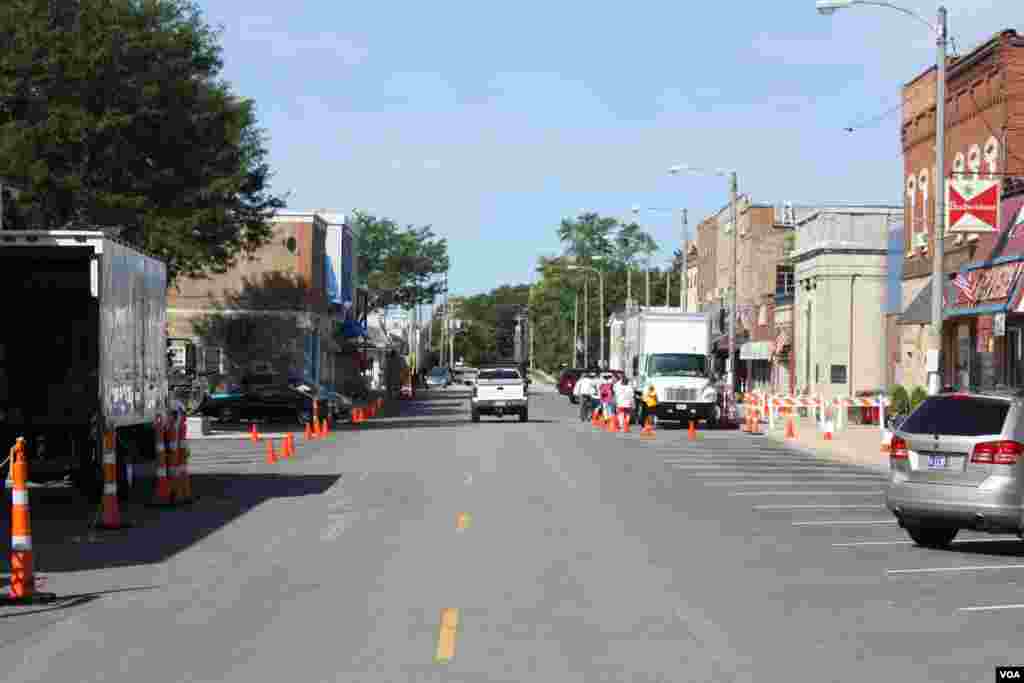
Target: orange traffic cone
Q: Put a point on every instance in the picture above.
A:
(692, 432)
(625, 423)
(23, 583)
(790, 429)
(755, 422)
(271, 455)
(828, 431)
(309, 432)
(111, 510)
(613, 424)
(254, 436)
(325, 425)
(162, 493)
(648, 431)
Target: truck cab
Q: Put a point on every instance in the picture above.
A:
(668, 349)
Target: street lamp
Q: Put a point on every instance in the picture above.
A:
(678, 169)
(682, 268)
(600, 280)
(941, 31)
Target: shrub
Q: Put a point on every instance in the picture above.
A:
(900, 400)
(917, 396)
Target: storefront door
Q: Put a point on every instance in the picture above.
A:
(1014, 357)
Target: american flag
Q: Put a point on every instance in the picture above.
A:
(966, 287)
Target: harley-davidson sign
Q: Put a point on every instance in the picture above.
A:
(988, 285)
(972, 205)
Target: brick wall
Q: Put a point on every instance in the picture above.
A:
(985, 133)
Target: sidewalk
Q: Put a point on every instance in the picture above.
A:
(277, 430)
(855, 445)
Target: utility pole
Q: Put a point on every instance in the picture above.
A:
(684, 282)
(938, 267)
(445, 332)
(600, 284)
(586, 323)
(576, 332)
(731, 368)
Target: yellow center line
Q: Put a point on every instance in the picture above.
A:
(463, 521)
(446, 635)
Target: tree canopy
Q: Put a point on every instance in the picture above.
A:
(399, 266)
(113, 114)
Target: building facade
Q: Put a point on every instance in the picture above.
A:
(269, 315)
(840, 259)
(985, 139)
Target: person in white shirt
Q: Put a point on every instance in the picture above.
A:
(624, 401)
(581, 390)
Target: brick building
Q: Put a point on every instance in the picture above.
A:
(269, 315)
(984, 138)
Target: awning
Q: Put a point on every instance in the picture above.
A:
(919, 312)
(756, 350)
(721, 342)
(987, 289)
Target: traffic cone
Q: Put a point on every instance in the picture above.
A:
(309, 432)
(23, 582)
(790, 429)
(648, 430)
(327, 426)
(291, 445)
(755, 422)
(625, 422)
(828, 431)
(162, 492)
(692, 432)
(111, 510)
(253, 434)
(613, 424)
(271, 455)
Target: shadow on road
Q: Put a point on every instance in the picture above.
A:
(64, 602)
(1009, 548)
(63, 541)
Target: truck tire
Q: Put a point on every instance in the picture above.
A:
(474, 415)
(524, 415)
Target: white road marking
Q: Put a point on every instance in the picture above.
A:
(989, 608)
(819, 507)
(770, 482)
(852, 544)
(808, 492)
(846, 522)
(972, 568)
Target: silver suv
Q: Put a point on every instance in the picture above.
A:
(956, 464)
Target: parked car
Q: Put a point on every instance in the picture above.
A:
(468, 376)
(277, 402)
(567, 381)
(957, 462)
(439, 378)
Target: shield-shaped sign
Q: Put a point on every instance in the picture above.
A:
(972, 205)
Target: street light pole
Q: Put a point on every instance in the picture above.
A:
(938, 274)
(941, 29)
(733, 191)
(684, 282)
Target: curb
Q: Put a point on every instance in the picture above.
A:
(823, 455)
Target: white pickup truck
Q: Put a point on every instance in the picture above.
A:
(498, 391)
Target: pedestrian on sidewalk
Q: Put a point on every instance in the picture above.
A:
(624, 401)
(651, 402)
(607, 395)
(581, 390)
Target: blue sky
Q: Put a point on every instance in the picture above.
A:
(492, 122)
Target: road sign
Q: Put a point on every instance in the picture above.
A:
(972, 205)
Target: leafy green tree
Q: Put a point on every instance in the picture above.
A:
(633, 246)
(399, 266)
(113, 113)
(589, 237)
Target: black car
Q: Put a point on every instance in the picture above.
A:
(271, 402)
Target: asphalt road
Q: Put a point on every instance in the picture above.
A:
(586, 556)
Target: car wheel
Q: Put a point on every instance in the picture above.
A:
(932, 536)
(524, 415)
(475, 415)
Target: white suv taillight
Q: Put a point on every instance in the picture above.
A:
(898, 449)
(997, 453)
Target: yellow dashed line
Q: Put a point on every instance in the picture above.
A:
(463, 521)
(446, 635)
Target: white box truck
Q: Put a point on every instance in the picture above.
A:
(83, 350)
(669, 350)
